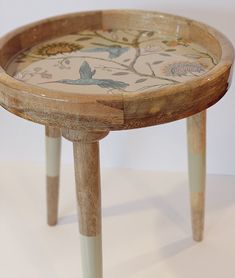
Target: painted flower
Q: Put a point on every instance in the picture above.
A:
(183, 69)
(58, 48)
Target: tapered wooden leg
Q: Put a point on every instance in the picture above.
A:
(53, 150)
(87, 174)
(196, 126)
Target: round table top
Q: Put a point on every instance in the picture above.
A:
(113, 69)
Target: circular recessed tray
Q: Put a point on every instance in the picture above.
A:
(112, 60)
(113, 69)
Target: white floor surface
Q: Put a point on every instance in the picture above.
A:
(146, 226)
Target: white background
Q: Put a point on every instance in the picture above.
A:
(146, 228)
(160, 147)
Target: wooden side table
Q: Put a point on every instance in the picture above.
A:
(90, 73)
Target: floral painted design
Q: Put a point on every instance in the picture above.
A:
(110, 61)
(183, 69)
(57, 48)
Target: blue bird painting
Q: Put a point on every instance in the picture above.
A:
(114, 50)
(86, 78)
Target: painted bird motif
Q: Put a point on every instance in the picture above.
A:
(114, 50)
(86, 78)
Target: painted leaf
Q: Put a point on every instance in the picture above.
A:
(126, 60)
(83, 39)
(121, 73)
(85, 71)
(113, 84)
(150, 34)
(157, 62)
(194, 56)
(165, 54)
(141, 80)
(125, 39)
(170, 50)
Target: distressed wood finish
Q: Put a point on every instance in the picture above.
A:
(196, 125)
(53, 149)
(87, 173)
(87, 176)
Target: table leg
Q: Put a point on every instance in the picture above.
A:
(53, 150)
(196, 128)
(87, 175)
